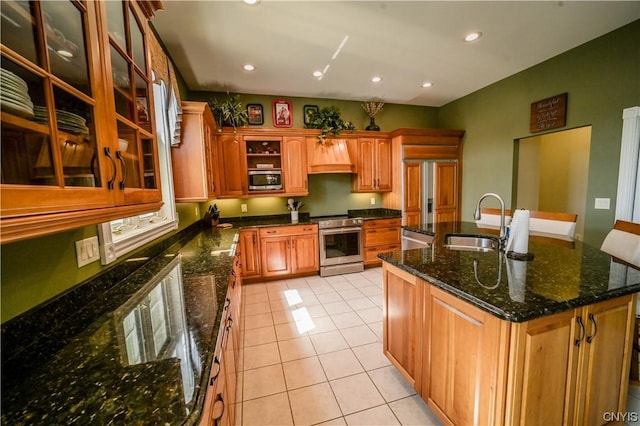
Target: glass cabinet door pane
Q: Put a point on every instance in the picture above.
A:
(115, 23)
(76, 140)
(128, 155)
(149, 164)
(18, 28)
(26, 145)
(142, 103)
(137, 43)
(64, 30)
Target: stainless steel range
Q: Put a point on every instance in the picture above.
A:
(341, 245)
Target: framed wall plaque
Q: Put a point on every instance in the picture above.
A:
(255, 114)
(549, 113)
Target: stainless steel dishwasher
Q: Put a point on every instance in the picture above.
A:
(415, 240)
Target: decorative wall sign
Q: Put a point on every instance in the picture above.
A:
(282, 113)
(549, 113)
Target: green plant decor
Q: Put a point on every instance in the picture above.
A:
(229, 111)
(329, 121)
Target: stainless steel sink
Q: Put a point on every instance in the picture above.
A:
(470, 242)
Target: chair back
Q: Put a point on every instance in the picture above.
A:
(490, 218)
(556, 225)
(623, 242)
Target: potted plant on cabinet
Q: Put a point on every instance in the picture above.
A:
(372, 108)
(329, 121)
(229, 112)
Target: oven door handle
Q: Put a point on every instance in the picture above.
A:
(331, 231)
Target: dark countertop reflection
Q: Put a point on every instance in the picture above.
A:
(144, 354)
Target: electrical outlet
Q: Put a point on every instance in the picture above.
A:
(197, 212)
(243, 208)
(87, 251)
(603, 203)
(373, 201)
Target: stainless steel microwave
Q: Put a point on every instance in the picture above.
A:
(265, 180)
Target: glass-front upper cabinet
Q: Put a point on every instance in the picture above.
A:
(49, 102)
(137, 148)
(76, 115)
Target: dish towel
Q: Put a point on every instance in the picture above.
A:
(518, 241)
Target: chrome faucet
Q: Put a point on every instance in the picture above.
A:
(477, 215)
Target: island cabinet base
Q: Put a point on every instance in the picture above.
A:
(473, 368)
(464, 360)
(572, 367)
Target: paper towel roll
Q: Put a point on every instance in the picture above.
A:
(519, 233)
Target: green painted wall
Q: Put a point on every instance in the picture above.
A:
(601, 78)
(330, 194)
(390, 118)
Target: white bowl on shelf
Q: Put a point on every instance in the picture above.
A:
(123, 144)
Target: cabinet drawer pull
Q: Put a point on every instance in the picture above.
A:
(270, 232)
(113, 164)
(216, 419)
(215, 376)
(124, 169)
(582, 331)
(595, 328)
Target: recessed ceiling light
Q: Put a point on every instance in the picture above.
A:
(376, 79)
(317, 73)
(427, 84)
(251, 2)
(472, 36)
(249, 67)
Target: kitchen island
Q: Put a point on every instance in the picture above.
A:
(489, 340)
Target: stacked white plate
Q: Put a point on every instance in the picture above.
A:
(14, 95)
(67, 121)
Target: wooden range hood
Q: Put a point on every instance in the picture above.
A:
(330, 156)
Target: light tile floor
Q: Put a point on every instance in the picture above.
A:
(313, 356)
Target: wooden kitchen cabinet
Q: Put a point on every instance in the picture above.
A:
(289, 250)
(232, 165)
(224, 390)
(250, 253)
(373, 166)
(561, 372)
(294, 167)
(402, 321)
(194, 161)
(445, 202)
(463, 360)
(62, 163)
(412, 193)
(380, 236)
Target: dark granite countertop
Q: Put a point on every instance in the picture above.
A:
(559, 278)
(102, 364)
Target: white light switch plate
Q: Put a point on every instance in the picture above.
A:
(87, 251)
(243, 208)
(603, 203)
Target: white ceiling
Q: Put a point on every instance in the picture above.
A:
(404, 42)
